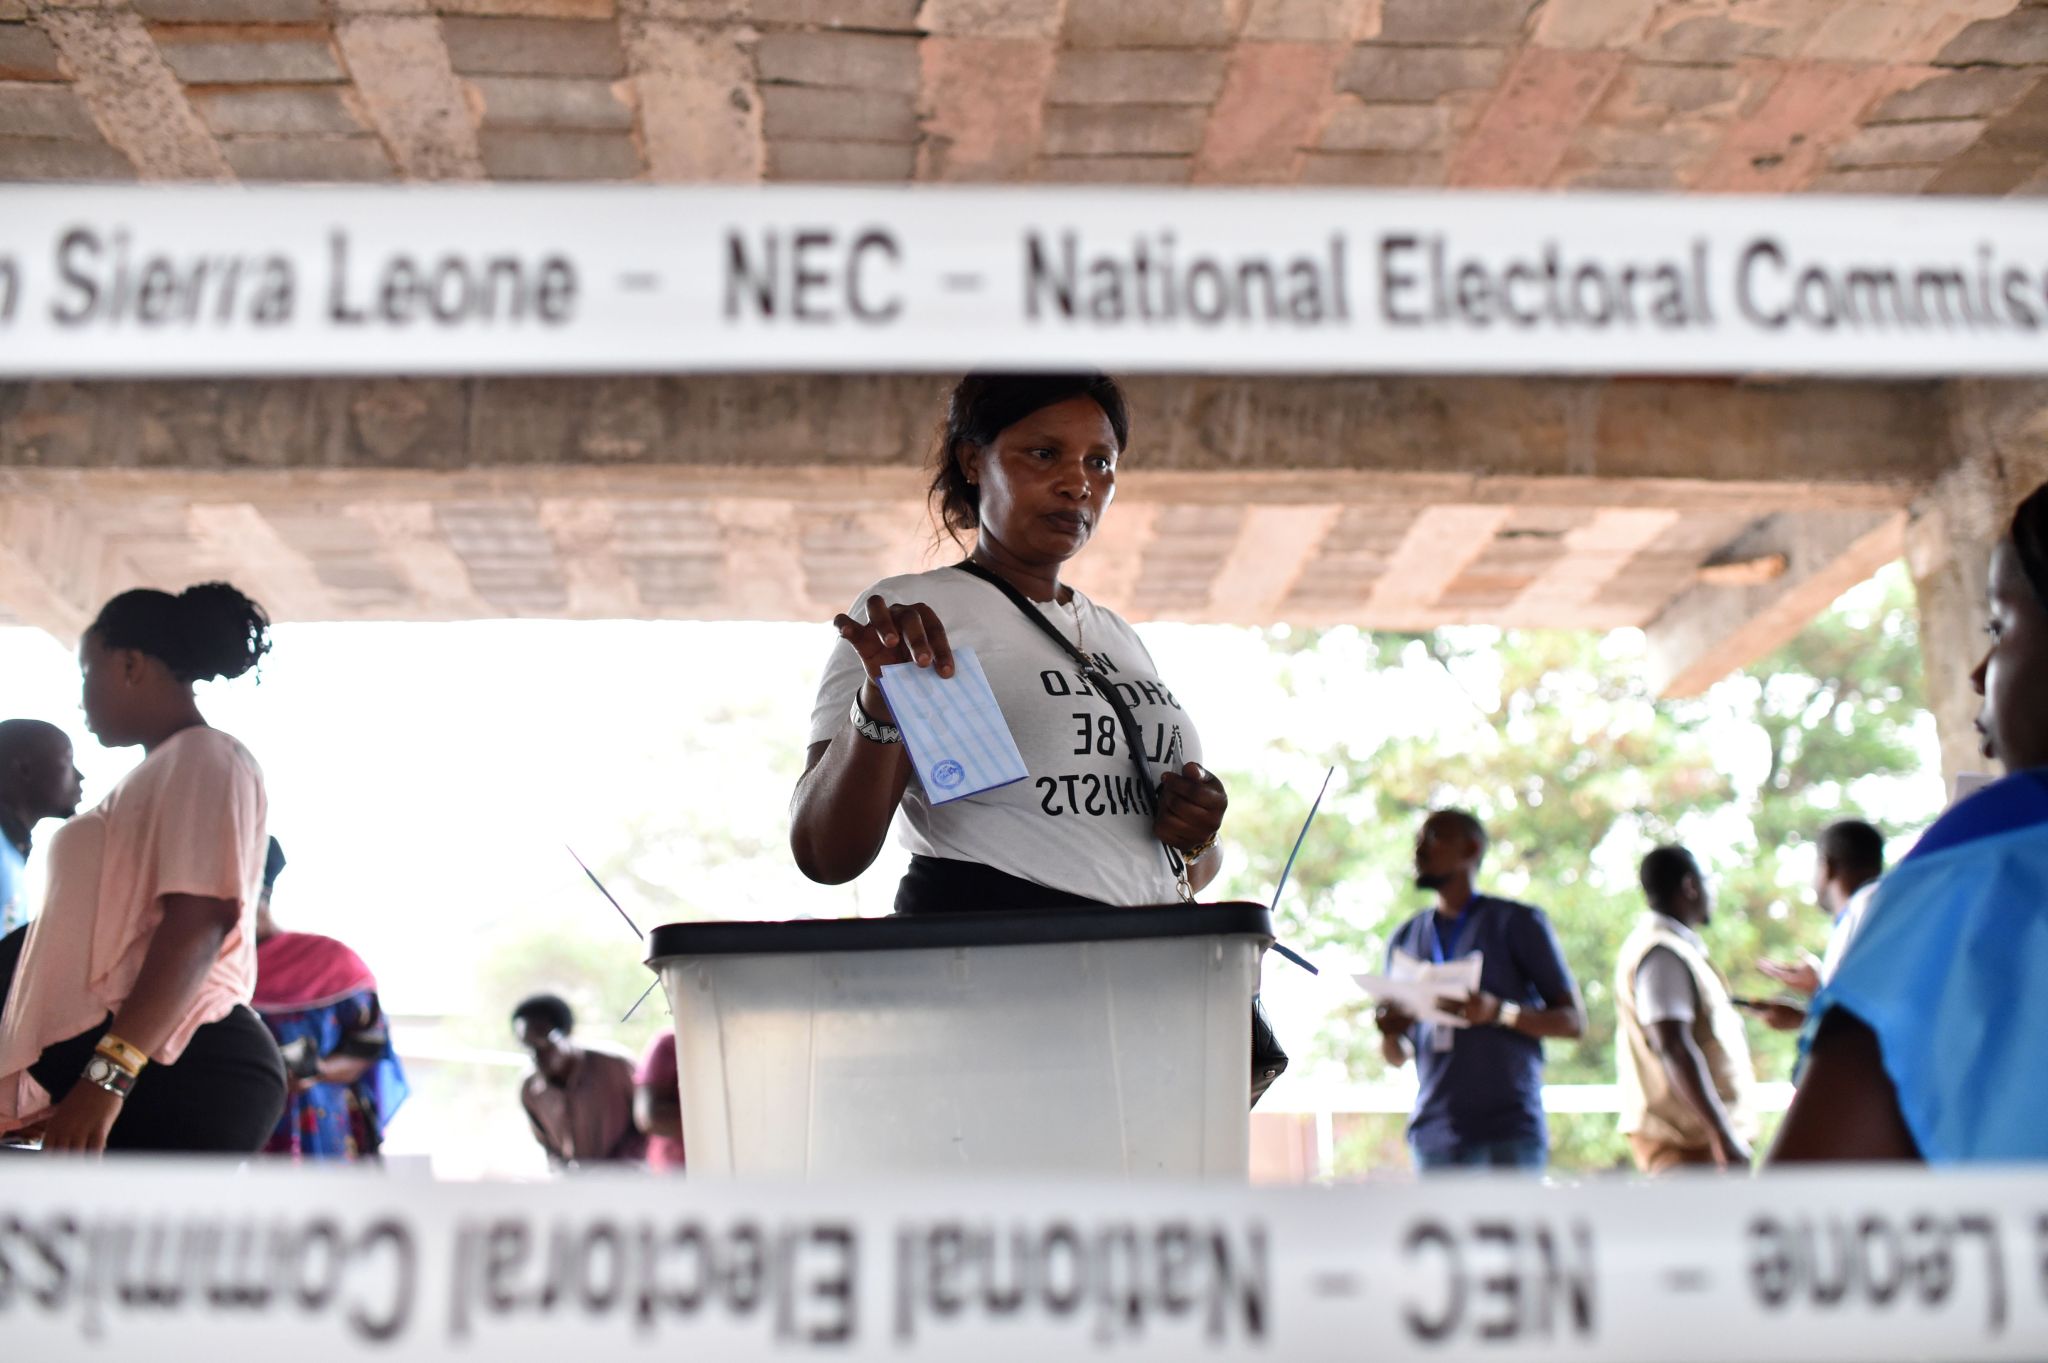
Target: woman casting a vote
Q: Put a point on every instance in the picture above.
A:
(1116, 808)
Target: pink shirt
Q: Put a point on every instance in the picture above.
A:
(658, 1070)
(189, 820)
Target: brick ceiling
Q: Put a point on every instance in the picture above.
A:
(1401, 504)
(1901, 96)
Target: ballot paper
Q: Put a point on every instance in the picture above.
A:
(959, 742)
(1414, 985)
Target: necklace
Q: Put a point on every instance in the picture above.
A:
(1074, 608)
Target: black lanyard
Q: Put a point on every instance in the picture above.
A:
(1103, 687)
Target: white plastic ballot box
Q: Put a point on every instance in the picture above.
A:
(1074, 1041)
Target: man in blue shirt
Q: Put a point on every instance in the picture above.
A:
(1481, 1099)
(37, 782)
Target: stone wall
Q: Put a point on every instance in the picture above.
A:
(2000, 434)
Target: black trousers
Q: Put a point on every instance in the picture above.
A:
(223, 1096)
(943, 885)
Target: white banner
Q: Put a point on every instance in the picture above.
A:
(237, 281)
(188, 1263)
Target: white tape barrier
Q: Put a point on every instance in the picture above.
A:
(210, 280)
(206, 1265)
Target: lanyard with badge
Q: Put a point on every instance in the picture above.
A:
(1148, 786)
(1441, 1037)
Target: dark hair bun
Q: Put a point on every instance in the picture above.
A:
(229, 632)
(204, 632)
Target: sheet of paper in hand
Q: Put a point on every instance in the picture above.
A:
(959, 742)
(1414, 985)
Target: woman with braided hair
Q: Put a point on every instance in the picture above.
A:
(1927, 1042)
(127, 1026)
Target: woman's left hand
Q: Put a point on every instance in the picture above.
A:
(1191, 806)
(81, 1123)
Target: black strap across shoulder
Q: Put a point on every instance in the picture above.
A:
(1094, 676)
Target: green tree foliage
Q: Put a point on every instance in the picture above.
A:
(1576, 770)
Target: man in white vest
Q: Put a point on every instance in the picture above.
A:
(1684, 1069)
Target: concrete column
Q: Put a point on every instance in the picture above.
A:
(2000, 435)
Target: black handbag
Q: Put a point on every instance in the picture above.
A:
(1269, 1059)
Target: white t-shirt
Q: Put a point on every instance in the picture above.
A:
(1078, 823)
(1844, 930)
(1664, 988)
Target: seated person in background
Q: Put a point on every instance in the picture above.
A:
(1681, 1058)
(320, 1001)
(38, 781)
(1848, 859)
(1927, 1042)
(578, 1098)
(658, 1104)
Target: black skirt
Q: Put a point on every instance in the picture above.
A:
(224, 1094)
(942, 885)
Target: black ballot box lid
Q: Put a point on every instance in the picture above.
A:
(969, 928)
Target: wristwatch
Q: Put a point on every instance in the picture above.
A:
(1510, 1015)
(109, 1076)
(870, 728)
(301, 1057)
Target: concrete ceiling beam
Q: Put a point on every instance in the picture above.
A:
(695, 88)
(236, 533)
(1709, 631)
(1593, 556)
(130, 89)
(1274, 546)
(50, 565)
(398, 59)
(1809, 441)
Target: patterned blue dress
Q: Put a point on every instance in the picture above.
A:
(319, 1000)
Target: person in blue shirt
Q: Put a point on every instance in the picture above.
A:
(1926, 1042)
(38, 781)
(1481, 1099)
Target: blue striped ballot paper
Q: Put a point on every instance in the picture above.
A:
(959, 742)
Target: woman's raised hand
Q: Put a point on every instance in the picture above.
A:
(895, 634)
